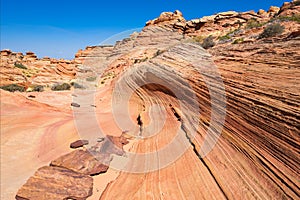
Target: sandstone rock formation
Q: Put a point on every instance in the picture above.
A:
(67, 177)
(177, 98)
(27, 70)
(56, 183)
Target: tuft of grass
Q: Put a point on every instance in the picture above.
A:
(225, 37)
(13, 88)
(208, 42)
(229, 35)
(199, 38)
(20, 65)
(238, 41)
(271, 30)
(60, 87)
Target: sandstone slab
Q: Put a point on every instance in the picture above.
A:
(84, 161)
(52, 183)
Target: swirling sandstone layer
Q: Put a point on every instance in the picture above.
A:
(256, 155)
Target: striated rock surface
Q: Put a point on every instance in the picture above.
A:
(84, 162)
(56, 183)
(67, 177)
(177, 92)
(257, 154)
(28, 70)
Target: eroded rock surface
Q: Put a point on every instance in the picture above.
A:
(257, 153)
(56, 183)
(67, 177)
(84, 162)
(29, 71)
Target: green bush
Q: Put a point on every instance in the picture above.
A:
(13, 88)
(19, 65)
(208, 42)
(272, 30)
(59, 87)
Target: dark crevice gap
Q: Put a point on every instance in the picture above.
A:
(175, 113)
(140, 124)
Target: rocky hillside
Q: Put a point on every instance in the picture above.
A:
(28, 70)
(221, 123)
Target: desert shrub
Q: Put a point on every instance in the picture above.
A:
(208, 42)
(20, 65)
(225, 37)
(91, 79)
(199, 38)
(295, 18)
(272, 30)
(59, 87)
(253, 23)
(38, 88)
(296, 3)
(229, 35)
(238, 41)
(13, 88)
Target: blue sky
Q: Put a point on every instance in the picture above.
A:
(58, 28)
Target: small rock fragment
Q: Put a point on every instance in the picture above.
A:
(75, 105)
(79, 143)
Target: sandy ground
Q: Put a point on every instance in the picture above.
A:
(32, 134)
(35, 131)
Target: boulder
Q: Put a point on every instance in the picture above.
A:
(261, 12)
(273, 10)
(167, 18)
(5, 52)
